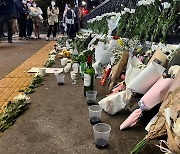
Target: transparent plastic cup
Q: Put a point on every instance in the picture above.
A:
(59, 77)
(101, 135)
(74, 78)
(91, 97)
(75, 67)
(95, 114)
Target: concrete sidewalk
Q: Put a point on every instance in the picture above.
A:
(57, 120)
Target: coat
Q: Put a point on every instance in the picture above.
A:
(8, 8)
(19, 11)
(52, 15)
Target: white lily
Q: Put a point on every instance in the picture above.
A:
(139, 3)
(127, 9)
(132, 11)
(176, 127)
(165, 5)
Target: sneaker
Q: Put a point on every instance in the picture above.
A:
(35, 37)
(47, 38)
(20, 38)
(54, 38)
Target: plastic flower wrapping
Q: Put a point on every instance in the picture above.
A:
(112, 24)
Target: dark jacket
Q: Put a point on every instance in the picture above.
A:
(19, 10)
(7, 9)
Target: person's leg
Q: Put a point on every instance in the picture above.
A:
(68, 29)
(38, 32)
(25, 26)
(9, 21)
(72, 31)
(20, 23)
(55, 30)
(49, 32)
(2, 21)
(29, 27)
(16, 26)
(13, 27)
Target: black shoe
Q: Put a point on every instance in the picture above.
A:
(10, 41)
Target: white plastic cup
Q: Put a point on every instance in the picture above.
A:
(91, 97)
(66, 59)
(52, 57)
(75, 67)
(101, 135)
(63, 62)
(95, 114)
(42, 71)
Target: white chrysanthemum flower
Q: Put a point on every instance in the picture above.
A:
(22, 97)
(165, 5)
(132, 11)
(139, 3)
(53, 52)
(118, 14)
(176, 127)
(127, 9)
(173, 70)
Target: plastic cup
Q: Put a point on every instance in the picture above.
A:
(63, 62)
(74, 77)
(95, 114)
(52, 57)
(75, 67)
(59, 77)
(101, 135)
(42, 71)
(91, 97)
(66, 69)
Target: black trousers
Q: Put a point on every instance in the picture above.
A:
(9, 21)
(22, 27)
(29, 27)
(54, 27)
(71, 31)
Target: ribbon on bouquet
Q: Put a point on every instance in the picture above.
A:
(133, 118)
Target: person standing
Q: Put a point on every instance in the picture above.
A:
(69, 20)
(20, 10)
(6, 15)
(37, 18)
(29, 21)
(52, 13)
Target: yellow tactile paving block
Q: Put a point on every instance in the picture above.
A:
(19, 79)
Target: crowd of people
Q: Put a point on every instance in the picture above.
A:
(24, 17)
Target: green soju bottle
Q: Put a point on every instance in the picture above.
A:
(89, 73)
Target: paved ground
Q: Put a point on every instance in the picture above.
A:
(57, 120)
(12, 55)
